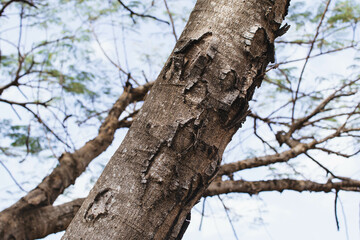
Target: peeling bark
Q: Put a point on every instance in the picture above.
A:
(173, 149)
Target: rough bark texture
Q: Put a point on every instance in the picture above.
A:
(16, 222)
(38, 222)
(280, 185)
(173, 149)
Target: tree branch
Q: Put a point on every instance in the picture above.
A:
(256, 187)
(141, 15)
(49, 219)
(171, 20)
(71, 165)
(336, 94)
(308, 56)
(12, 1)
(285, 156)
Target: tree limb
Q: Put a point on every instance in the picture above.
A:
(12, 1)
(256, 187)
(65, 214)
(49, 219)
(141, 15)
(71, 165)
(230, 168)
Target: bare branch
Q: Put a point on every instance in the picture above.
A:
(308, 56)
(268, 120)
(141, 15)
(312, 56)
(261, 139)
(7, 4)
(285, 156)
(38, 118)
(256, 187)
(297, 124)
(12, 177)
(329, 151)
(171, 20)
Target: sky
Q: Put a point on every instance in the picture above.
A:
(268, 216)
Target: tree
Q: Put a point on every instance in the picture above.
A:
(295, 132)
(173, 149)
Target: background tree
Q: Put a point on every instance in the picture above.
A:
(302, 126)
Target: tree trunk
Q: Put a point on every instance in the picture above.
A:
(174, 147)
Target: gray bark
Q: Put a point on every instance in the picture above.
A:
(173, 149)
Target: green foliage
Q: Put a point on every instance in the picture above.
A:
(21, 138)
(52, 60)
(345, 12)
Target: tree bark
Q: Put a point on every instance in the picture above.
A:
(17, 221)
(173, 149)
(39, 222)
(280, 185)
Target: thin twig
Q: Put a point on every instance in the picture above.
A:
(261, 139)
(24, 105)
(307, 58)
(322, 166)
(12, 177)
(141, 15)
(228, 216)
(313, 56)
(11, 1)
(171, 20)
(335, 210)
(202, 213)
(345, 222)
